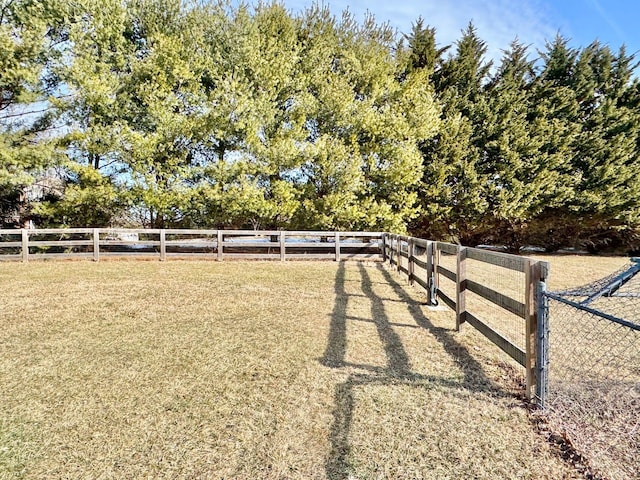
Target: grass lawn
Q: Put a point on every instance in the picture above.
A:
(132, 369)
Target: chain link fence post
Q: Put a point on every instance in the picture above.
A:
(542, 350)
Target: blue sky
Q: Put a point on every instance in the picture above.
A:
(613, 22)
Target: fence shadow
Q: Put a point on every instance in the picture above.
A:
(398, 369)
(475, 378)
(336, 348)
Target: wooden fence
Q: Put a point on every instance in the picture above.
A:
(511, 322)
(94, 243)
(509, 282)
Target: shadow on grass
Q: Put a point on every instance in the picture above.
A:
(337, 342)
(398, 369)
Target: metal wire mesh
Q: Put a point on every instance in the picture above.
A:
(594, 372)
(504, 281)
(446, 285)
(617, 294)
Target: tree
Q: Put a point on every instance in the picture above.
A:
(246, 140)
(453, 195)
(525, 174)
(606, 155)
(308, 128)
(555, 119)
(364, 124)
(422, 50)
(93, 59)
(30, 30)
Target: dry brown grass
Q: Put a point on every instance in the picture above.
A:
(573, 270)
(249, 370)
(594, 364)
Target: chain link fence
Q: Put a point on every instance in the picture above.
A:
(593, 396)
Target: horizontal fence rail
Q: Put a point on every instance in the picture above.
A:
(494, 292)
(96, 243)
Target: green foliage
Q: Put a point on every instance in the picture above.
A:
(89, 200)
(595, 125)
(531, 154)
(362, 163)
(29, 33)
(454, 189)
(422, 52)
(169, 113)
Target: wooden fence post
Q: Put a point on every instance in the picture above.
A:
(410, 266)
(394, 246)
(25, 245)
(96, 244)
(219, 245)
(337, 246)
(436, 264)
(384, 247)
(461, 286)
(399, 257)
(532, 272)
(163, 245)
(283, 251)
(430, 275)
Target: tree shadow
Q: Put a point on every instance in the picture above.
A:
(398, 366)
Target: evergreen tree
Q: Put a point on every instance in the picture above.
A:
(605, 158)
(250, 134)
(364, 126)
(30, 31)
(422, 50)
(555, 119)
(453, 197)
(161, 111)
(525, 174)
(316, 135)
(95, 59)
